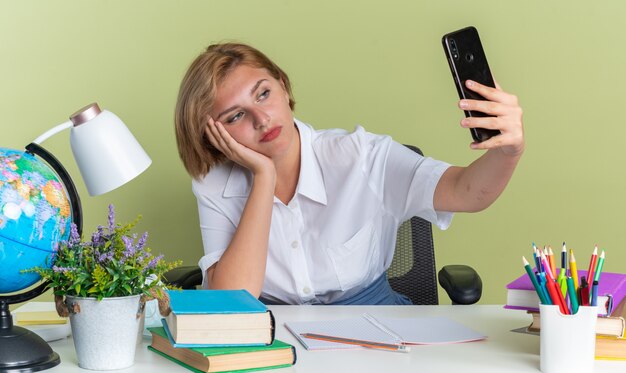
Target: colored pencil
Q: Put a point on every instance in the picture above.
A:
(572, 268)
(533, 279)
(592, 265)
(546, 266)
(359, 342)
(552, 262)
(596, 276)
(537, 258)
(557, 297)
(571, 291)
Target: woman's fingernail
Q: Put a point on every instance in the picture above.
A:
(470, 83)
(463, 104)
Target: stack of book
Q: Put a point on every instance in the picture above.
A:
(218, 331)
(613, 347)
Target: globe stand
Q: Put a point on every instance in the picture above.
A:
(20, 349)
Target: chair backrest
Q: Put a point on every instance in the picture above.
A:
(412, 271)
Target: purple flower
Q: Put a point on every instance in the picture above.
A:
(153, 263)
(111, 218)
(141, 259)
(130, 248)
(142, 241)
(105, 257)
(57, 269)
(74, 236)
(96, 237)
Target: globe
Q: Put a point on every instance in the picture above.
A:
(35, 215)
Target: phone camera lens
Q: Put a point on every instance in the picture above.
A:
(469, 57)
(453, 49)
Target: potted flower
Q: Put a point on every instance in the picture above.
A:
(105, 283)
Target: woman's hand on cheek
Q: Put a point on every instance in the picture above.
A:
(236, 152)
(506, 116)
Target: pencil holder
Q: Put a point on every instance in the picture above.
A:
(567, 341)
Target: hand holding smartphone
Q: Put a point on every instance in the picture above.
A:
(467, 61)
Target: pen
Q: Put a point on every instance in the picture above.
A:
(573, 271)
(545, 264)
(542, 283)
(564, 257)
(584, 292)
(592, 265)
(596, 277)
(594, 293)
(534, 281)
(358, 342)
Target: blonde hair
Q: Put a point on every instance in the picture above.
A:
(197, 96)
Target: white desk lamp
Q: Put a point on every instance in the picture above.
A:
(107, 154)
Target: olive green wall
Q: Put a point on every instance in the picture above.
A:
(375, 63)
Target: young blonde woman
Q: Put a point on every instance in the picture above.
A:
(300, 216)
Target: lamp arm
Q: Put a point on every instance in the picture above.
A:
(77, 215)
(53, 131)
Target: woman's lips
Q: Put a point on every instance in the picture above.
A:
(271, 134)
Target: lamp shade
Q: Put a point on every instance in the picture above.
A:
(107, 153)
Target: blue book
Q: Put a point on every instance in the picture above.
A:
(217, 318)
(214, 301)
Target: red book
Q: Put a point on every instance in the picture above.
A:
(521, 294)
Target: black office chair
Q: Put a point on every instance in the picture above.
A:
(412, 271)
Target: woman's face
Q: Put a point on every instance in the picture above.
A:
(254, 108)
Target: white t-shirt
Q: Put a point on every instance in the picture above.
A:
(338, 233)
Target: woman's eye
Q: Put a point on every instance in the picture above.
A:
(235, 117)
(263, 95)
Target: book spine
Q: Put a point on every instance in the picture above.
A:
(295, 357)
(272, 327)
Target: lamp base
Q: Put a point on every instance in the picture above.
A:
(24, 351)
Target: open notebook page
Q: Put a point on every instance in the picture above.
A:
(422, 330)
(430, 330)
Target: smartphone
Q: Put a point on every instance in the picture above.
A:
(467, 60)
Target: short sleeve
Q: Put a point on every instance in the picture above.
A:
(409, 183)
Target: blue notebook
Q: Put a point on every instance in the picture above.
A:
(214, 301)
(206, 318)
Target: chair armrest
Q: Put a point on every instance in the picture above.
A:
(462, 283)
(186, 277)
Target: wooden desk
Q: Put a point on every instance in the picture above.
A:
(503, 351)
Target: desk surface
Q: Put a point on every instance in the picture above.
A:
(503, 351)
